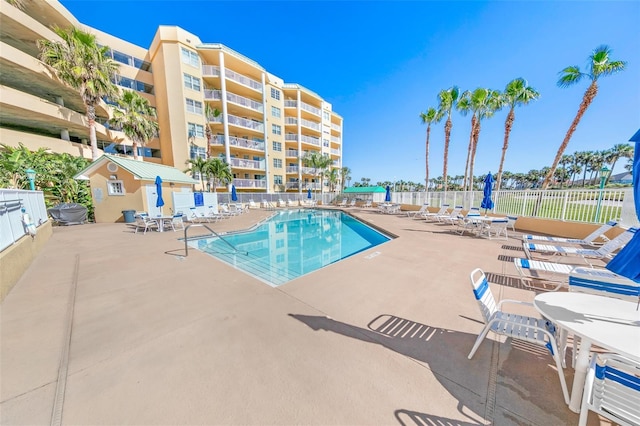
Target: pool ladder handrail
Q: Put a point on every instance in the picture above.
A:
(186, 239)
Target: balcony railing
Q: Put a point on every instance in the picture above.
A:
(336, 139)
(247, 164)
(245, 81)
(310, 124)
(306, 139)
(335, 126)
(246, 143)
(310, 108)
(335, 151)
(250, 183)
(216, 95)
(292, 185)
(309, 171)
(212, 95)
(291, 153)
(210, 71)
(245, 122)
(288, 103)
(291, 120)
(292, 169)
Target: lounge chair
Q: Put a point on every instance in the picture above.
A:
(604, 252)
(537, 274)
(588, 240)
(496, 227)
(471, 221)
(533, 330)
(352, 203)
(281, 203)
(253, 205)
(603, 282)
(368, 204)
(432, 216)
(418, 213)
(292, 203)
(452, 216)
(343, 203)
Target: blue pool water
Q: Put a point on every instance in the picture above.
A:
(293, 243)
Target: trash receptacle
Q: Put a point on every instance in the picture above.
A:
(129, 216)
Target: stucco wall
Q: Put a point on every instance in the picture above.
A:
(15, 259)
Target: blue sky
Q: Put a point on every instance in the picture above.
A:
(382, 63)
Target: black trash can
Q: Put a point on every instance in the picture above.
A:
(129, 216)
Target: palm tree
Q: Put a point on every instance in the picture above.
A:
(332, 175)
(318, 162)
(564, 162)
(431, 116)
(209, 113)
(622, 150)
(82, 65)
(136, 118)
(197, 165)
(447, 100)
(345, 173)
(218, 172)
(600, 65)
(20, 4)
(482, 103)
(517, 93)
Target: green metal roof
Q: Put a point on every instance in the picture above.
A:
(140, 170)
(364, 190)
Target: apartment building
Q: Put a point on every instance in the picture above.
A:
(260, 125)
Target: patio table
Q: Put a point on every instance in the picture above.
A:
(160, 220)
(613, 324)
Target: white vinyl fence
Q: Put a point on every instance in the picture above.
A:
(11, 203)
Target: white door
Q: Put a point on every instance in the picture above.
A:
(152, 197)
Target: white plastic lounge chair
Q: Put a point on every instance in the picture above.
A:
(604, 252)
(603, 282)
(292, 203)
(588, 240)
(368, 204)
(343, 203)
(512, 222)
(451, 217)
(281, 203)
(418, 213)
(536, 274)
(252, 204)
(612, 390)
(469, 222)
(432, 216)
(533, 330)
(495, 228)
(352, 203)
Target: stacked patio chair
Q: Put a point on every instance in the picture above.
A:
(588, 240)
(612, 390)
(533, 330)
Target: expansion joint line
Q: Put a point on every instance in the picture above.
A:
(63, 368)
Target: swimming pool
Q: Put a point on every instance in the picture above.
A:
(292, 243)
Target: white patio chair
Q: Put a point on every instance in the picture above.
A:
(432, 216)
(496, 228)
(512, 222)
(352, 203)
(145, 222)
(543, 273)
(368, 204)
(533, 330)
(415, 214)
(452, 216)
(471, 221)
(588, 240)
(604, 252)
(612, 390)
(176, 222)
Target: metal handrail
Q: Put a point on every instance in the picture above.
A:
(186, 239)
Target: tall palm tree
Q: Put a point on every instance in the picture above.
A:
(600, 65)
(218, 172)
(210, 113)
(136, 118)
(517, 93)
(20, 4)
(482, 103)
(447, 101)
(622, 150)
(318, 162)
(564, 162)
(345, 174)
(431, 116)
(333, 176)
(83, 65)
(197, 165)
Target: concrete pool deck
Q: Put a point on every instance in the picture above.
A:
(156, 338)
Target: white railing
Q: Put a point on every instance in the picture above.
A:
(210, 71)
(245, 122)
(11, 202)
(214, 119)
(310, 108)
(292, 185)
(335, 151)
(335, 126)
(290, 120)
(250, 183)
(247, 164)
(310, 140)
(310, 124)
(212, 94)
(292, 169)
(246, 143)
(288, 103)
(290, 137)
(309, 170)
(291, 153)
(245, 81)
(335, 139)
(589, 205)
(245, 102)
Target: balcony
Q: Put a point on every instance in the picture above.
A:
(245, 81)
(305, 139)
(335, 151)
(246, 143)
(335, 127)
(210, 71)
(291, 153)
(335, 139)
(216, 95)
(258, 126)
(290, 104)
(290, 121)
(247, 164)
(292, 169)
(303, 105)
(292, 185)
(250, 183)
(309, 171)
(310, 124)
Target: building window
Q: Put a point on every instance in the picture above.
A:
(196, 130)
(325, 142)
(277, 146)
(275, 112)
(115, 187)
(198, 152)
(275, 93)
(194, 106)
(190, 57)
(325, 114)
(277, 179)
(276, 129)
(277, 163)
(191, 82)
